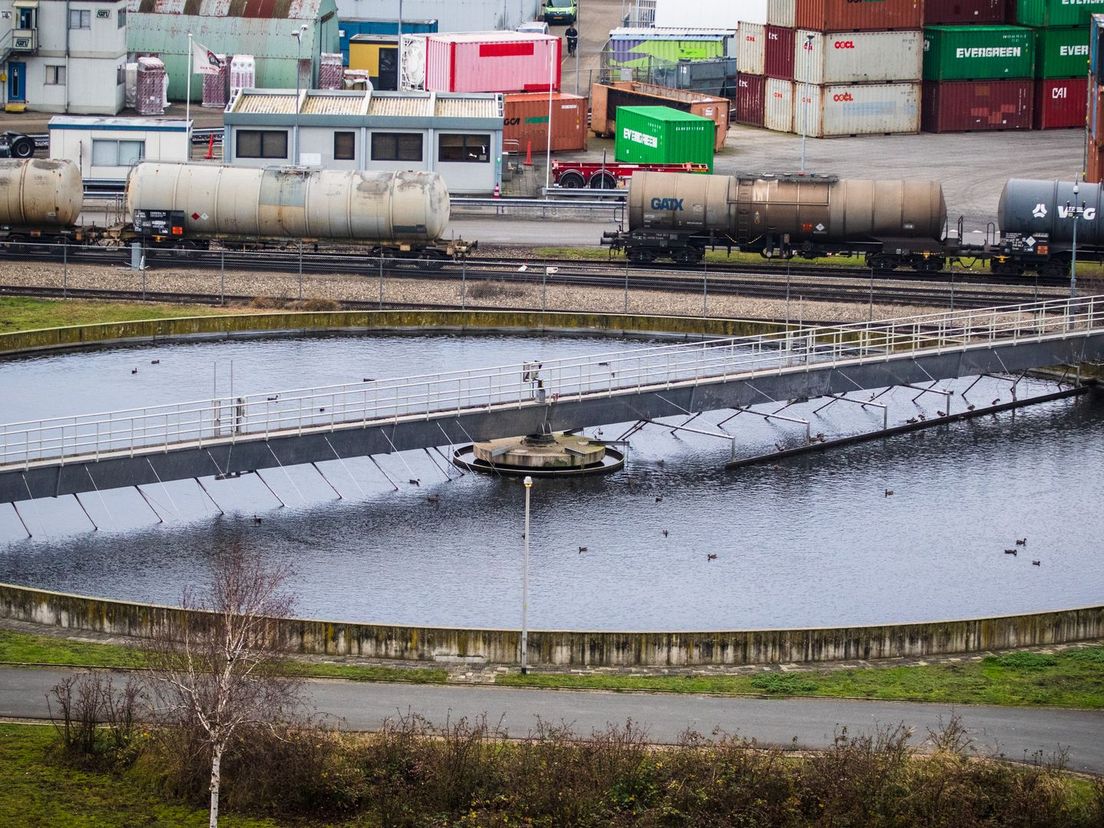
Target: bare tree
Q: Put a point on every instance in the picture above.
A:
(216, 671)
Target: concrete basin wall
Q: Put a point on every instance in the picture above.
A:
(566, 648)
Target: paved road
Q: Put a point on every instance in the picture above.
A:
(1015, 732)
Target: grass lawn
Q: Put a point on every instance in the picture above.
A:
(22, 314)
(27, 648)
(36, 790)
(1088, 270)
(1072, 678)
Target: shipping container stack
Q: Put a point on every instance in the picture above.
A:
(1061, 59)
(978, 77)
(831, 68)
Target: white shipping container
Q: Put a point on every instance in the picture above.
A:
(857, 57)
(869, 109)
(751, 41)
(710, 14)
(778, 105)
(781, 12)
(492, 62)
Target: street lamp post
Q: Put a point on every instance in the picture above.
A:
(1075, 211)
(528, 481)
(805, 96)
(298, 35)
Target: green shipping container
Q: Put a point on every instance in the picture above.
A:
(661, 135)
(978, 52)
(1048, 13)
(1062, 53)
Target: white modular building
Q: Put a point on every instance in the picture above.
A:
(458, 135)
(63, 55)
(105, 149)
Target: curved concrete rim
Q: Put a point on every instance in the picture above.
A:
(562, 647)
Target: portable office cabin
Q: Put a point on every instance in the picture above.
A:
(161, 27)
(378, 55)
(458, 135)
(105, 149)
(348, 29)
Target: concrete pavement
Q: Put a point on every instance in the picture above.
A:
(1017, 733)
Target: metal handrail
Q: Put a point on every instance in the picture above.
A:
(253, 416)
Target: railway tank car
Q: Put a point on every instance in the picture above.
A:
(679, 216)
(1037, 219)
(182, 205)
(39, 194)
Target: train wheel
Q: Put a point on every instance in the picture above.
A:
(688, 255)
(1008, 267)
(641, 255)
(882, 262)
(433, 259)
(572, 180)
(929, 264)
(603, 181)
(1054, 267)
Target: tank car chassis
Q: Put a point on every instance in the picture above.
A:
(166, 230)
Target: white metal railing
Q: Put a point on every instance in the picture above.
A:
(231, 419)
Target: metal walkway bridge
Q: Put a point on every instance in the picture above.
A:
(70, 455)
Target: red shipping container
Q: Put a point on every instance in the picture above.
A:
(847, 15)
(967, 106)
(526, 121)
(492, 62)
(959, 12)
(780, 53)
(1060, 104)
(749, 99)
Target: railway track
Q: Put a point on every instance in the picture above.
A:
(541, 276)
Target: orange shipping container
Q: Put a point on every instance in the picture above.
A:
(605, 98)
(525, 119)
(1094, 159)
(847, 15)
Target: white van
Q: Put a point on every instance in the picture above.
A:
(533, 27)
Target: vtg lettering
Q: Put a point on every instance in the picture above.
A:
(666, 203)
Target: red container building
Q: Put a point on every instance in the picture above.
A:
(492, 62)
(749, 99)
(961, 12)
(847, 15)
(779, 60)
(1060, 104)
(969, 106)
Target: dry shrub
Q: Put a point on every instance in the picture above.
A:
(467, 773)
(95, 720)
(314, 304)
(494, 290)
(266, 303)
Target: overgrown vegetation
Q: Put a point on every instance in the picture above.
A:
(467, 773)
(22, 314)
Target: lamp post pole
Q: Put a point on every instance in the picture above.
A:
(298, 35)
(555, 53)
(528, 481)
(1076, 210)
(805, 96)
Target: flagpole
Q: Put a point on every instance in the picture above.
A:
(188, 98)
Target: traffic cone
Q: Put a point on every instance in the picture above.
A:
(528, 153)
(210, 148)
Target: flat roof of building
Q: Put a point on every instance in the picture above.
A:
(356, 105)
(144, 124)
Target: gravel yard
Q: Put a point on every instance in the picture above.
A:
(282, 288)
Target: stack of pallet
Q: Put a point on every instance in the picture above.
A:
(830, 68)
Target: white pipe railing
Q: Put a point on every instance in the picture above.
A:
(253, 416)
